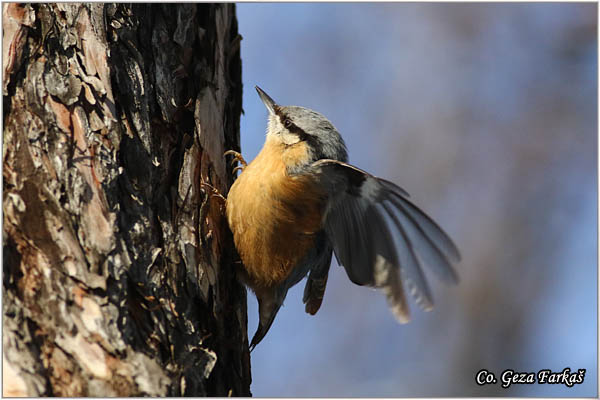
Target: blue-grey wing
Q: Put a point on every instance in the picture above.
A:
(375, 231)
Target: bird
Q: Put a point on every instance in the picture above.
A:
(299, 202)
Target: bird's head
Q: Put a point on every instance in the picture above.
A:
(293, 126)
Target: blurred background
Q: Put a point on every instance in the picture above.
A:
(487, 115)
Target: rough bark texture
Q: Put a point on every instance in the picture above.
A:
(118, 266)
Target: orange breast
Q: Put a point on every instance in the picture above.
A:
(273, 216)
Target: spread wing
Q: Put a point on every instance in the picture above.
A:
(376, 231)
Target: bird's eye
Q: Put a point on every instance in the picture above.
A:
(287, 123)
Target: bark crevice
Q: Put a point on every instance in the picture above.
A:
(118, 263)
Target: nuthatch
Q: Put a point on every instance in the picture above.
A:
(299, 201)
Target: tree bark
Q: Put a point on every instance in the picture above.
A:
(117, 259)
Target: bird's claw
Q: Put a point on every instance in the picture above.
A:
(237, 157)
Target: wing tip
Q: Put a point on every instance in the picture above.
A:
(453, 253)
(454, 277)
(401, 315)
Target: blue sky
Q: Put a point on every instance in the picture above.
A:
(486, 115)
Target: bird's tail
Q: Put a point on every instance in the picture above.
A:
(269, 303)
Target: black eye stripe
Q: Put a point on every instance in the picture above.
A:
(293, 128)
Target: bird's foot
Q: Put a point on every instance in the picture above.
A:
(313, 294)
(215, 192)
(237, 157)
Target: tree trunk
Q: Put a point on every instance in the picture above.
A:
(118, 262)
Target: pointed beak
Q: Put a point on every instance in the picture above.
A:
(267, 100)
